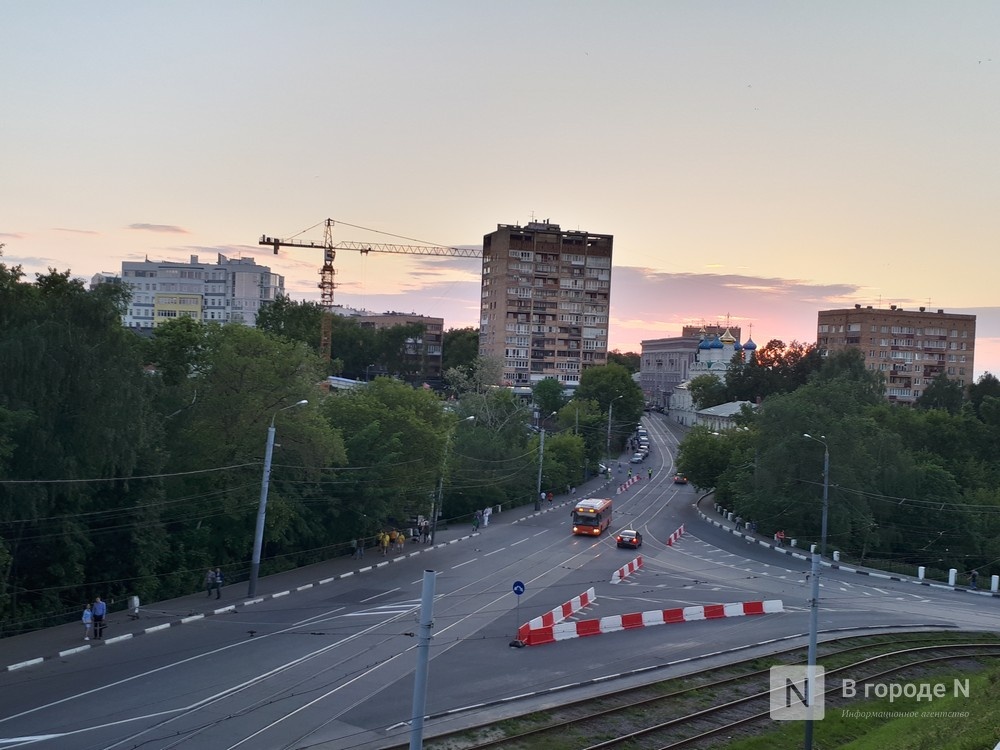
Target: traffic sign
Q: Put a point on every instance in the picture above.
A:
(518, 587)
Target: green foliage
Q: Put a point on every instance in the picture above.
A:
(941, 393)
(459, 348)
(612, 387)
(629, 360)
(548, 395)
(775, 368)
(707, 391)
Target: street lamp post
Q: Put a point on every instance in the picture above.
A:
(368, 368)
(611, 407)
(438, 504)
(541, 461)
(814, 604)
(258, 537)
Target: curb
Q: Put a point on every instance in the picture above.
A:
(838, 566)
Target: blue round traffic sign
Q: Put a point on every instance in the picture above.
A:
(518, 587)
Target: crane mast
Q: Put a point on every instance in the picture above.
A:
(327, 271)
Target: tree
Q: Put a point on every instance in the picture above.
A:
(941, 393)
(629, 360)
(707, 390)
(548, 395)
(613, 384)
(987, 385)
(775, 368)
(459, 348)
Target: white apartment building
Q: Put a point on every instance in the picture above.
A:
(232, 290)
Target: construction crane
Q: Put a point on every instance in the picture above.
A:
(327, 271)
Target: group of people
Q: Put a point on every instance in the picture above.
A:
(214, 581)
(93, 618)
(481, 518)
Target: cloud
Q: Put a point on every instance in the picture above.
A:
(11, 235)
(75, 231)
(165, 228)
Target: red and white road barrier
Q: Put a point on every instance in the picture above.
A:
(619, 575)
(539, 630)
(616, 623)
(628, 483)
(675, 536)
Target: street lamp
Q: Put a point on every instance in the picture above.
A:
(611, 407)
(541, 460)
(814, 604)
(438, 505)
(258, 537)
(367, 376)
(826, 488)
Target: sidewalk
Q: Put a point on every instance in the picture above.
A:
(706, 509)
(20, 651)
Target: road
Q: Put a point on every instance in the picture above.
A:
(332, 666)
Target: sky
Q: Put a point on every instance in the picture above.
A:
(755, 161)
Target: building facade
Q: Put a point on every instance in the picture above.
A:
(423, 353)
(665, 363)
(909, 347)
(228, 291)
(545, 302)
(714, 357)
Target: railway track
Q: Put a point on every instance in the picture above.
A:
(694, 711)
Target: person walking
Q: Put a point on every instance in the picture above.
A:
(475, 520)
(973, 579)
(99, 611)
(649, 473)
(218, 583)
(487, 512)
(425, 532)
(88, 621)
(209, 582)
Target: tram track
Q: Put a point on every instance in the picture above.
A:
(695, 710)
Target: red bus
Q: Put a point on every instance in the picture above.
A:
(591, 517)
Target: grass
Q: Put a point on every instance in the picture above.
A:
(953, 722)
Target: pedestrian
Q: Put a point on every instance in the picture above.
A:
(400, 541)
(739, 522)
(383, 542)
(354, 549)
(425, 531)
(209, 582)
(487, 512)
(88, 621)
(973, 578)
(218, 583)
(99, 610)
(629, 473)
(572, 490)
(541, 497)
(550, 496)
(475, 520)
(649, 473)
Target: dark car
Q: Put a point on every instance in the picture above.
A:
(680, 479)
(629, 538)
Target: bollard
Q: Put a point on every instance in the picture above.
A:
(497, 509)
(994, 583)
(812, 549)
(952, 574)
(729, 516)
(836, 555)
(921, 571)
(793, 543)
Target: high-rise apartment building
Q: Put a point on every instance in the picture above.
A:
(910, 347)
(228, 291)
(546, 296)
(422, 353)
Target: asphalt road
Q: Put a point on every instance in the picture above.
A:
(331, 665)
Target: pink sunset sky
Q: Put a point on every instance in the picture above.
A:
(754, 161)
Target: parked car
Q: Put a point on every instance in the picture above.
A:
(637, 458)
(629, 538)
(680, 479)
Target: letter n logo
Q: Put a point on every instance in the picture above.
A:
(796, 697)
